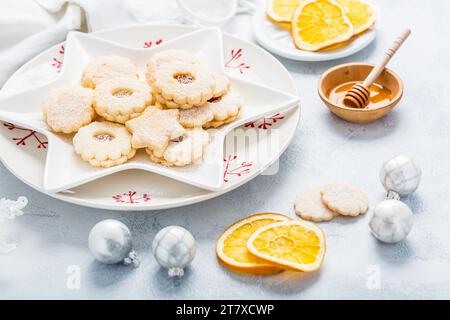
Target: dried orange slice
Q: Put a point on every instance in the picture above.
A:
(317, 24)
(231, 248)
(296, 245)
(361, 14)
(282, 10)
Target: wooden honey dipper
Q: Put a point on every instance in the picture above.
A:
(358, 95)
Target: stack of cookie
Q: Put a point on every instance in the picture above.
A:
(166, 114)
(326, 202)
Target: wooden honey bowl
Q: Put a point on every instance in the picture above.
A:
(349, 72)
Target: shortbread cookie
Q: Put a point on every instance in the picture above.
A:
(121, 99)
(213, 114)
(196, 117)
(154, 129)
(104, 144)
(169, 104)
(216, 124)
(167, 57)
(68, 109)
(226, 109)
(309, 206)
(222, 84)
(186, 150)
(108, 67)
(345, 199)
(182, 85)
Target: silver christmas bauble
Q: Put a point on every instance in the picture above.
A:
(400, 175)
(392, 221)
(110, 243)
(174, 248)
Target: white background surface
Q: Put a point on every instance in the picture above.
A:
(52, 235)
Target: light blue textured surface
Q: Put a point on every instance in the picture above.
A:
(52, 235)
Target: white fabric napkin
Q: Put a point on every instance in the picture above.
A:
(28, 27)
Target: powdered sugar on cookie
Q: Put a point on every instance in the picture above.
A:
(185, 151)
(345, 199)
(108, 67)
(67, 109)
(104, 144)
(154, 129)
(121, 99)
(309, 206)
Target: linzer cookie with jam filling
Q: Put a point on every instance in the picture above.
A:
(196, 117)
(108, 67)
(183, 86)
(226, 109)
(121, 99)
(187, 149)
(67, 109)
(104, 144)
(167, 57)
(216, 112)
(154, 129)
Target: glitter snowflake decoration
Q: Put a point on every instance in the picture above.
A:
(9, 209)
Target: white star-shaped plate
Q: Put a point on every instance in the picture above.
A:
(65, 170)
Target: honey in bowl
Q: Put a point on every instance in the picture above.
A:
(379, 96)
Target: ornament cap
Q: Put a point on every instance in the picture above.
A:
(392, 195)
(176, 272)
(132, 259)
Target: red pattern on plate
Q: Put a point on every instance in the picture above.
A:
(233, 62)
(132, 197)
(26, 136)
(57, 62)
(231, 169)
(149, 44)
(266, 122)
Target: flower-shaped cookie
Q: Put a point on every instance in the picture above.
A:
(182, 85)
(216, 112)
(121, 99)
(345, 199)
(67, 109)
(108, 67)
(309, 206)
(104, 144)
(226, 109)
(154, 129)
(167, 57)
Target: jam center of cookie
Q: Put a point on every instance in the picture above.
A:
(215, 100)
(104, 137)
(122, 93)
(179, 139)
(184, 78)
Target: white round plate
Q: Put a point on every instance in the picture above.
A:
(23, 151)
(278, 40)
